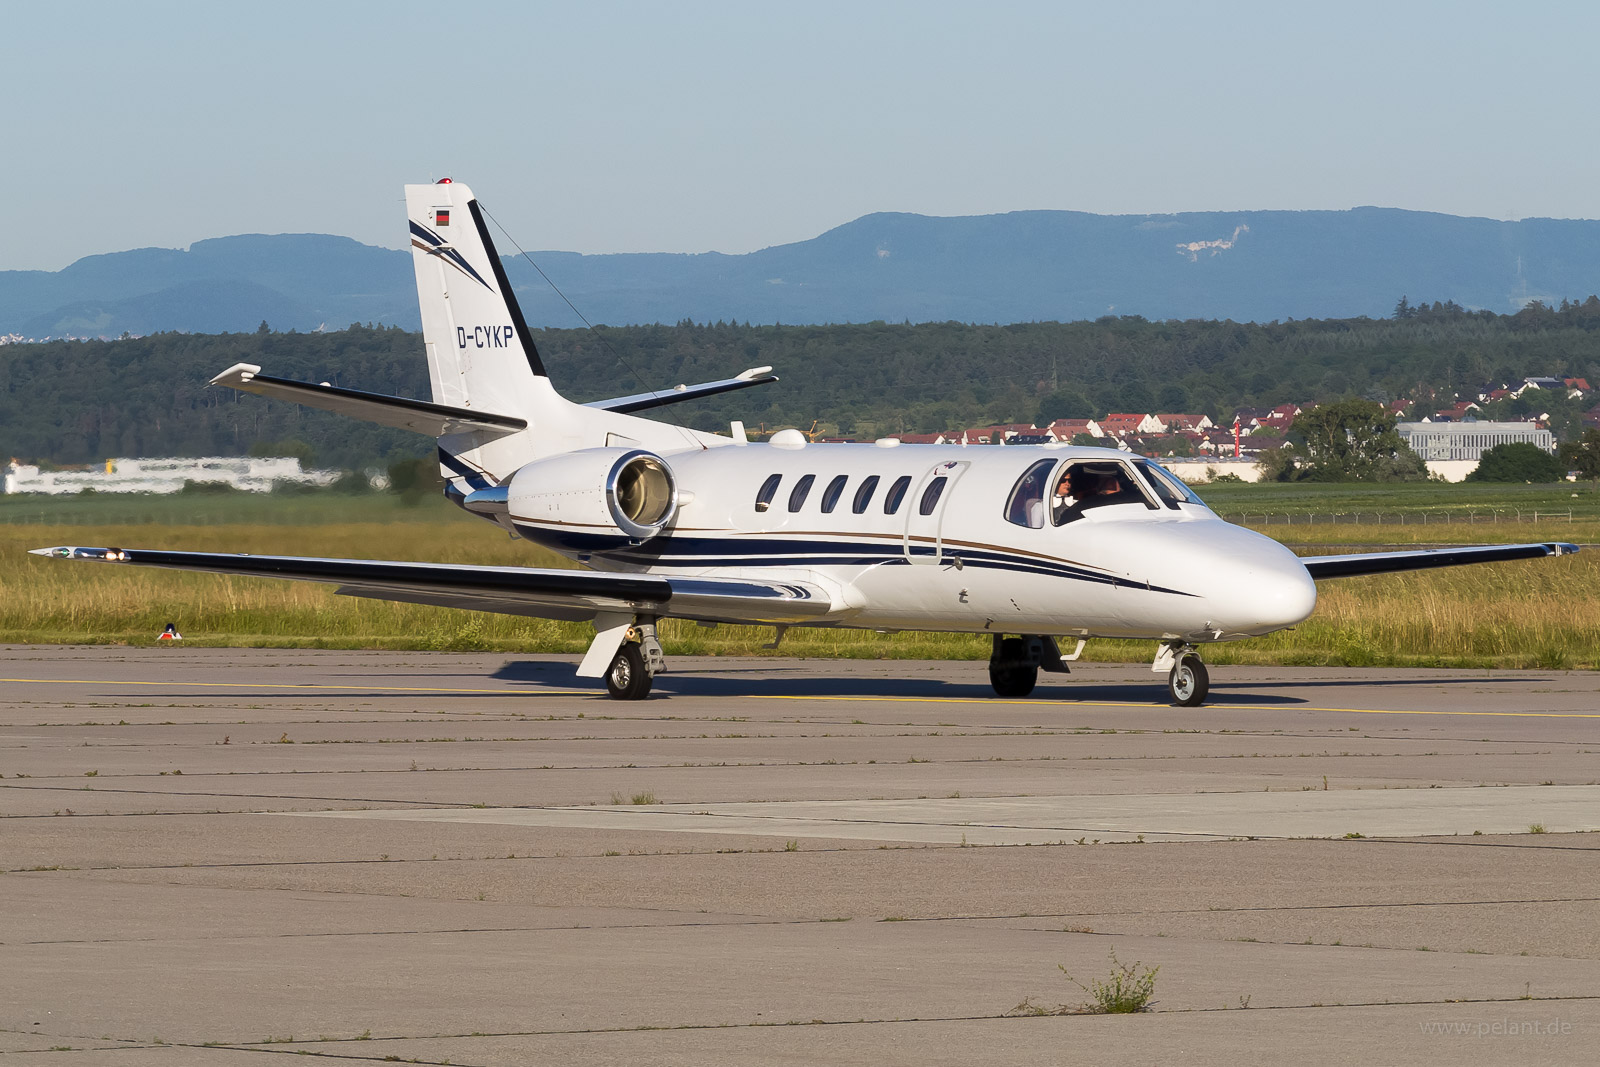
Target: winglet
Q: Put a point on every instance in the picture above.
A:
(237, 375)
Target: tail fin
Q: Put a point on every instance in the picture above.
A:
(478, 344)
(481, 355)
(480, 352)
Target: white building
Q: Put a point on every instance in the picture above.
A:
(255, 473)
(1452, 449)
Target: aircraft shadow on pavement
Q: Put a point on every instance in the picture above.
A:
(778, 681)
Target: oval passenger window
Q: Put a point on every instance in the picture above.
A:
(768, 490)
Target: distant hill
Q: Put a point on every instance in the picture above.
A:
(1018, 267)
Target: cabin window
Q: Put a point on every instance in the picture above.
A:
(897, 493)
(1168, 486)
(1092, 484)
(931, 495)
(797, 495)
(864, 494)
(1026, 505)
(768, 490)
(830, 495)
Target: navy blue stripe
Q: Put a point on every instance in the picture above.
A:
(844, 552)
(794, 552)
(455, 463)
(507, 294)
(449, 253)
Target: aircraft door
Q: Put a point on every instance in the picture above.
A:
(923, 539)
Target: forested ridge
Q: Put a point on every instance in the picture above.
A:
(84, 401)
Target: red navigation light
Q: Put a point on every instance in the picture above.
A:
(442, 181)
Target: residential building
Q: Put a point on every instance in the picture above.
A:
(1120, 424)
(1177, 422)
(1067, 429)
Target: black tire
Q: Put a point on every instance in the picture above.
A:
(1009, 676)
(627, 679)
(1188, 682)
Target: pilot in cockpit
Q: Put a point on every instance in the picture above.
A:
(1083, 487)
(1076, 487)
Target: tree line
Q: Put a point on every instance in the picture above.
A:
(84, 401)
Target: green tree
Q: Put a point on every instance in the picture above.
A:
(1583, 455)
(1520, 461)
(1351, 440)
(1062, 404)
(415, 479)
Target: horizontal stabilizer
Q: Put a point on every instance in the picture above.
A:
(1390, 562)
(539, 592)
(679, 393)
(420, 416)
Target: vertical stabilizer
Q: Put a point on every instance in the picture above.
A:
(478, 343)
(481, 353)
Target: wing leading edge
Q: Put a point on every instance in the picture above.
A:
(543, 593)
(1350, 566)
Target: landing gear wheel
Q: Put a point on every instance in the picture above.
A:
(1008, 674)
(627, 679)
(1188, 682)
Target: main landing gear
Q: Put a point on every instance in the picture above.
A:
(1188, 681)
(627, 679)
(626, 654)
(1015, 664)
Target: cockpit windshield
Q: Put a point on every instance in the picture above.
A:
(1086, 484)
(1065, 491)
(1168, 486)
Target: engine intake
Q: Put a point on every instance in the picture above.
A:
(610, 493)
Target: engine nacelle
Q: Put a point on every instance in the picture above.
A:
(594, 497)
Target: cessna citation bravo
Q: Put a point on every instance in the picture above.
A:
(1031, 544)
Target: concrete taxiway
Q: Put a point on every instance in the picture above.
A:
(210, 856)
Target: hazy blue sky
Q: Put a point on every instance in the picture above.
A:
(731, 126)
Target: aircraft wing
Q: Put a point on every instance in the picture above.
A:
(1387, 562)
(543, 593)
(679, 393)
(402, 413)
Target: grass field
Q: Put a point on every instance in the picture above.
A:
(1414, 499)
(1541, 613)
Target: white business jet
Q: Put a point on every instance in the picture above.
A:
(1029, 544)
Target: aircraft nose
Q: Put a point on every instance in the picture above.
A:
(1255, 585)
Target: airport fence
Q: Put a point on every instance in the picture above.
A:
(1395, 518)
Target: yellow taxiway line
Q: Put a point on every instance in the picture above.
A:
(1062, 703)
(291, 685)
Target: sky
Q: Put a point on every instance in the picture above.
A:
(711, 126)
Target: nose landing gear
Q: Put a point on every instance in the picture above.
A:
(1188, 681)
(1013, 672)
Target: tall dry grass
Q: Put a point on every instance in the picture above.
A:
(1543, 613)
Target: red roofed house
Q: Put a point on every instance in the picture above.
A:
(1280, 418)
(998, 434)
(1455, 412)
(1124, 423)
(1067, 429)
(1197, 423)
